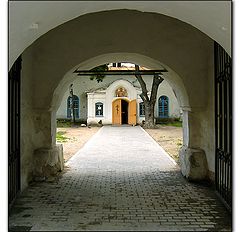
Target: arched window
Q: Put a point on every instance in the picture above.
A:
(75, 104)
(99, 109)
(163, 107)
(141, 109)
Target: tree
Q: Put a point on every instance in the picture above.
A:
(99, 76)
(149, 103)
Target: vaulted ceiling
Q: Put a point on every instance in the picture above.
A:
(31, 19)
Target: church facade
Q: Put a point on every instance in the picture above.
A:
(116, 100)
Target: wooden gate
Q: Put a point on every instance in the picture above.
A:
(223, 124)
(14, 130)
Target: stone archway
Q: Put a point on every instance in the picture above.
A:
(49, 63)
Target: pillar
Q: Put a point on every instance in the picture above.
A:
(192, 157)
(47, 155)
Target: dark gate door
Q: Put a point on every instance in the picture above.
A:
(223, 120)
(14, 130)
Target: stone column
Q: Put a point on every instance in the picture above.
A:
(47, 155)
(192, 157)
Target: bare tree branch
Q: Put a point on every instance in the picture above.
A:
(157, 80)
(144, 94)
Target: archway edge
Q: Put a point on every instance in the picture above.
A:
(174, 80)
(212, 18)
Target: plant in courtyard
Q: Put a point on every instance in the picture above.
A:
(99, 76)
(61, 138)
(149, 103)
(179, 142)
(175, 123)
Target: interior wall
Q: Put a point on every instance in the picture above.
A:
(209, 119)
(27, 124)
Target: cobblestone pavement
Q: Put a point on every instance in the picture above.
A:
(120, 180)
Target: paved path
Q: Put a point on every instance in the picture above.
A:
(120, 180)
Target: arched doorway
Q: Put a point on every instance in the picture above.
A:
(124, 112)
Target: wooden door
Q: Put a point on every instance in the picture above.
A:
(116, 112)
(132, 112)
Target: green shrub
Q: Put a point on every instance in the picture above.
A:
(60, 137)
(169, 122)
(63, 122)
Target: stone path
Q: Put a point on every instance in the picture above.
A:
(120, 180)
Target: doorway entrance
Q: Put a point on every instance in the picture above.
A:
(124, 112)
(124, 106)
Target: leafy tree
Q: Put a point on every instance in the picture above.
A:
(99, 76)
(149, 103)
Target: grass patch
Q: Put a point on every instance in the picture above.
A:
(169, 122)
(60, 137)
(68, 123)
(179, 142)
(64, 123)
(176, 124)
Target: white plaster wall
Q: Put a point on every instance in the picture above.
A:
(79, 86)
(92, 100)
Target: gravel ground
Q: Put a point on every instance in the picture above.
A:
(169, 137)
(77, 137)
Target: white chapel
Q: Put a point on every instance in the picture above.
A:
(116, 100)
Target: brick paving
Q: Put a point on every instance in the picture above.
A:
(120, 180)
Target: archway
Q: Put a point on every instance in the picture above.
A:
(190, 76)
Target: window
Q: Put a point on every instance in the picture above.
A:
(117, 64)
(141, 109)
(75, 105)
(163, 107)
(99, 109)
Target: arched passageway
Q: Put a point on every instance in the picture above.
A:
(48, 65)
(185, 69)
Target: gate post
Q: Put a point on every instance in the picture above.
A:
(193, 159)
(47, 155)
